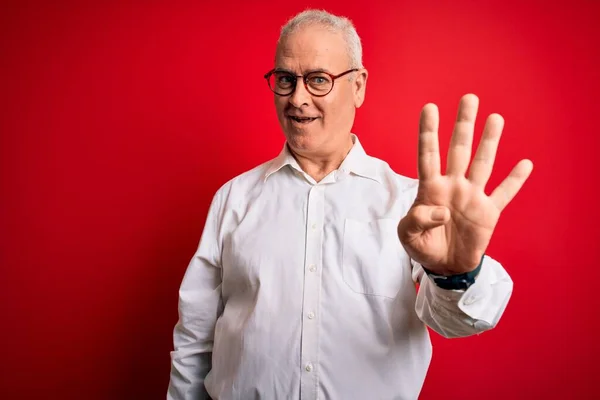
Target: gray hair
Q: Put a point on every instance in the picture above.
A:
(329, 21)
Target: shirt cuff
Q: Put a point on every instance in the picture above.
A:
(483, 301)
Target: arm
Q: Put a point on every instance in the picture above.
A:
(451, 221)
(460, 313)
(199, 307)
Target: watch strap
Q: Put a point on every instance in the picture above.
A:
(455, 282)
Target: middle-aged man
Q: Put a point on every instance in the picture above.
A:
(304, 282)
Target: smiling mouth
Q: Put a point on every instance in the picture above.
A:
(302, 120)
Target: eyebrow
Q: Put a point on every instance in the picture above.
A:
(310, 71)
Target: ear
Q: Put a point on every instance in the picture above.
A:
(360, 86)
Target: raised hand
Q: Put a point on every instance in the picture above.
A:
(450, 224)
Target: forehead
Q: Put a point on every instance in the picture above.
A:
(313, 47)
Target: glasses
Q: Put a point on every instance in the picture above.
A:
(317, 83)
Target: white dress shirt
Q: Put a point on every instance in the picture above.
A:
(302, 290)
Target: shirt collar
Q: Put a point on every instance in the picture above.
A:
(357, 162)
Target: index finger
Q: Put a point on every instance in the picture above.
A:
(429, 148)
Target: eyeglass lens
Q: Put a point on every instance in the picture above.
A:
(318, 83)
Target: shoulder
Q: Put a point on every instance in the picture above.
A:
(245, 181)
(389, 177)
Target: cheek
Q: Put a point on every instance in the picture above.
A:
(327, 107)
(279, 105)
(336, 110)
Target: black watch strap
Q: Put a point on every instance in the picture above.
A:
(455, 282)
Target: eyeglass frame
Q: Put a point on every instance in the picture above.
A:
(304, 79)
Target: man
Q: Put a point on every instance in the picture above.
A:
(304, 282)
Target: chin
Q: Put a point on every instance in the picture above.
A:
(301, 139)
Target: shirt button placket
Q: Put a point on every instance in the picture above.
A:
(312, 289)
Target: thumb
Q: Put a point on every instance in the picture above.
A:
(421, 218)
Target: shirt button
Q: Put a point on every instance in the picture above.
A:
(312, 268)
(308, 367)
(314, 226)
(311, 315)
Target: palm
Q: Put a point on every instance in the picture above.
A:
(455, 242)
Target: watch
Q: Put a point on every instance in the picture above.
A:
(455, 282)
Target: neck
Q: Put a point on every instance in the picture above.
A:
(318, 166)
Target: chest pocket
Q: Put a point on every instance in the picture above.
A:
(373, 260)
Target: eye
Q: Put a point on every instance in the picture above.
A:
(318, 80)
(283, 80)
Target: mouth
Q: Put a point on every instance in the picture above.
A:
(301, 120)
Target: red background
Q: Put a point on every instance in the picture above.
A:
(120, 120)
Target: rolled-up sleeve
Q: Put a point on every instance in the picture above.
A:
(460, 313)
(199, 307)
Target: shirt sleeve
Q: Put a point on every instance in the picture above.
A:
(461, 313)
(199, 307)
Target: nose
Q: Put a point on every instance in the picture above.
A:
(300, 96)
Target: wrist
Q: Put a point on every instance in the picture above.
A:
(455, 281)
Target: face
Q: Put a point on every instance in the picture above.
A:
(318, 125)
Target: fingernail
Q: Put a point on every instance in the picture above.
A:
(438, 214)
